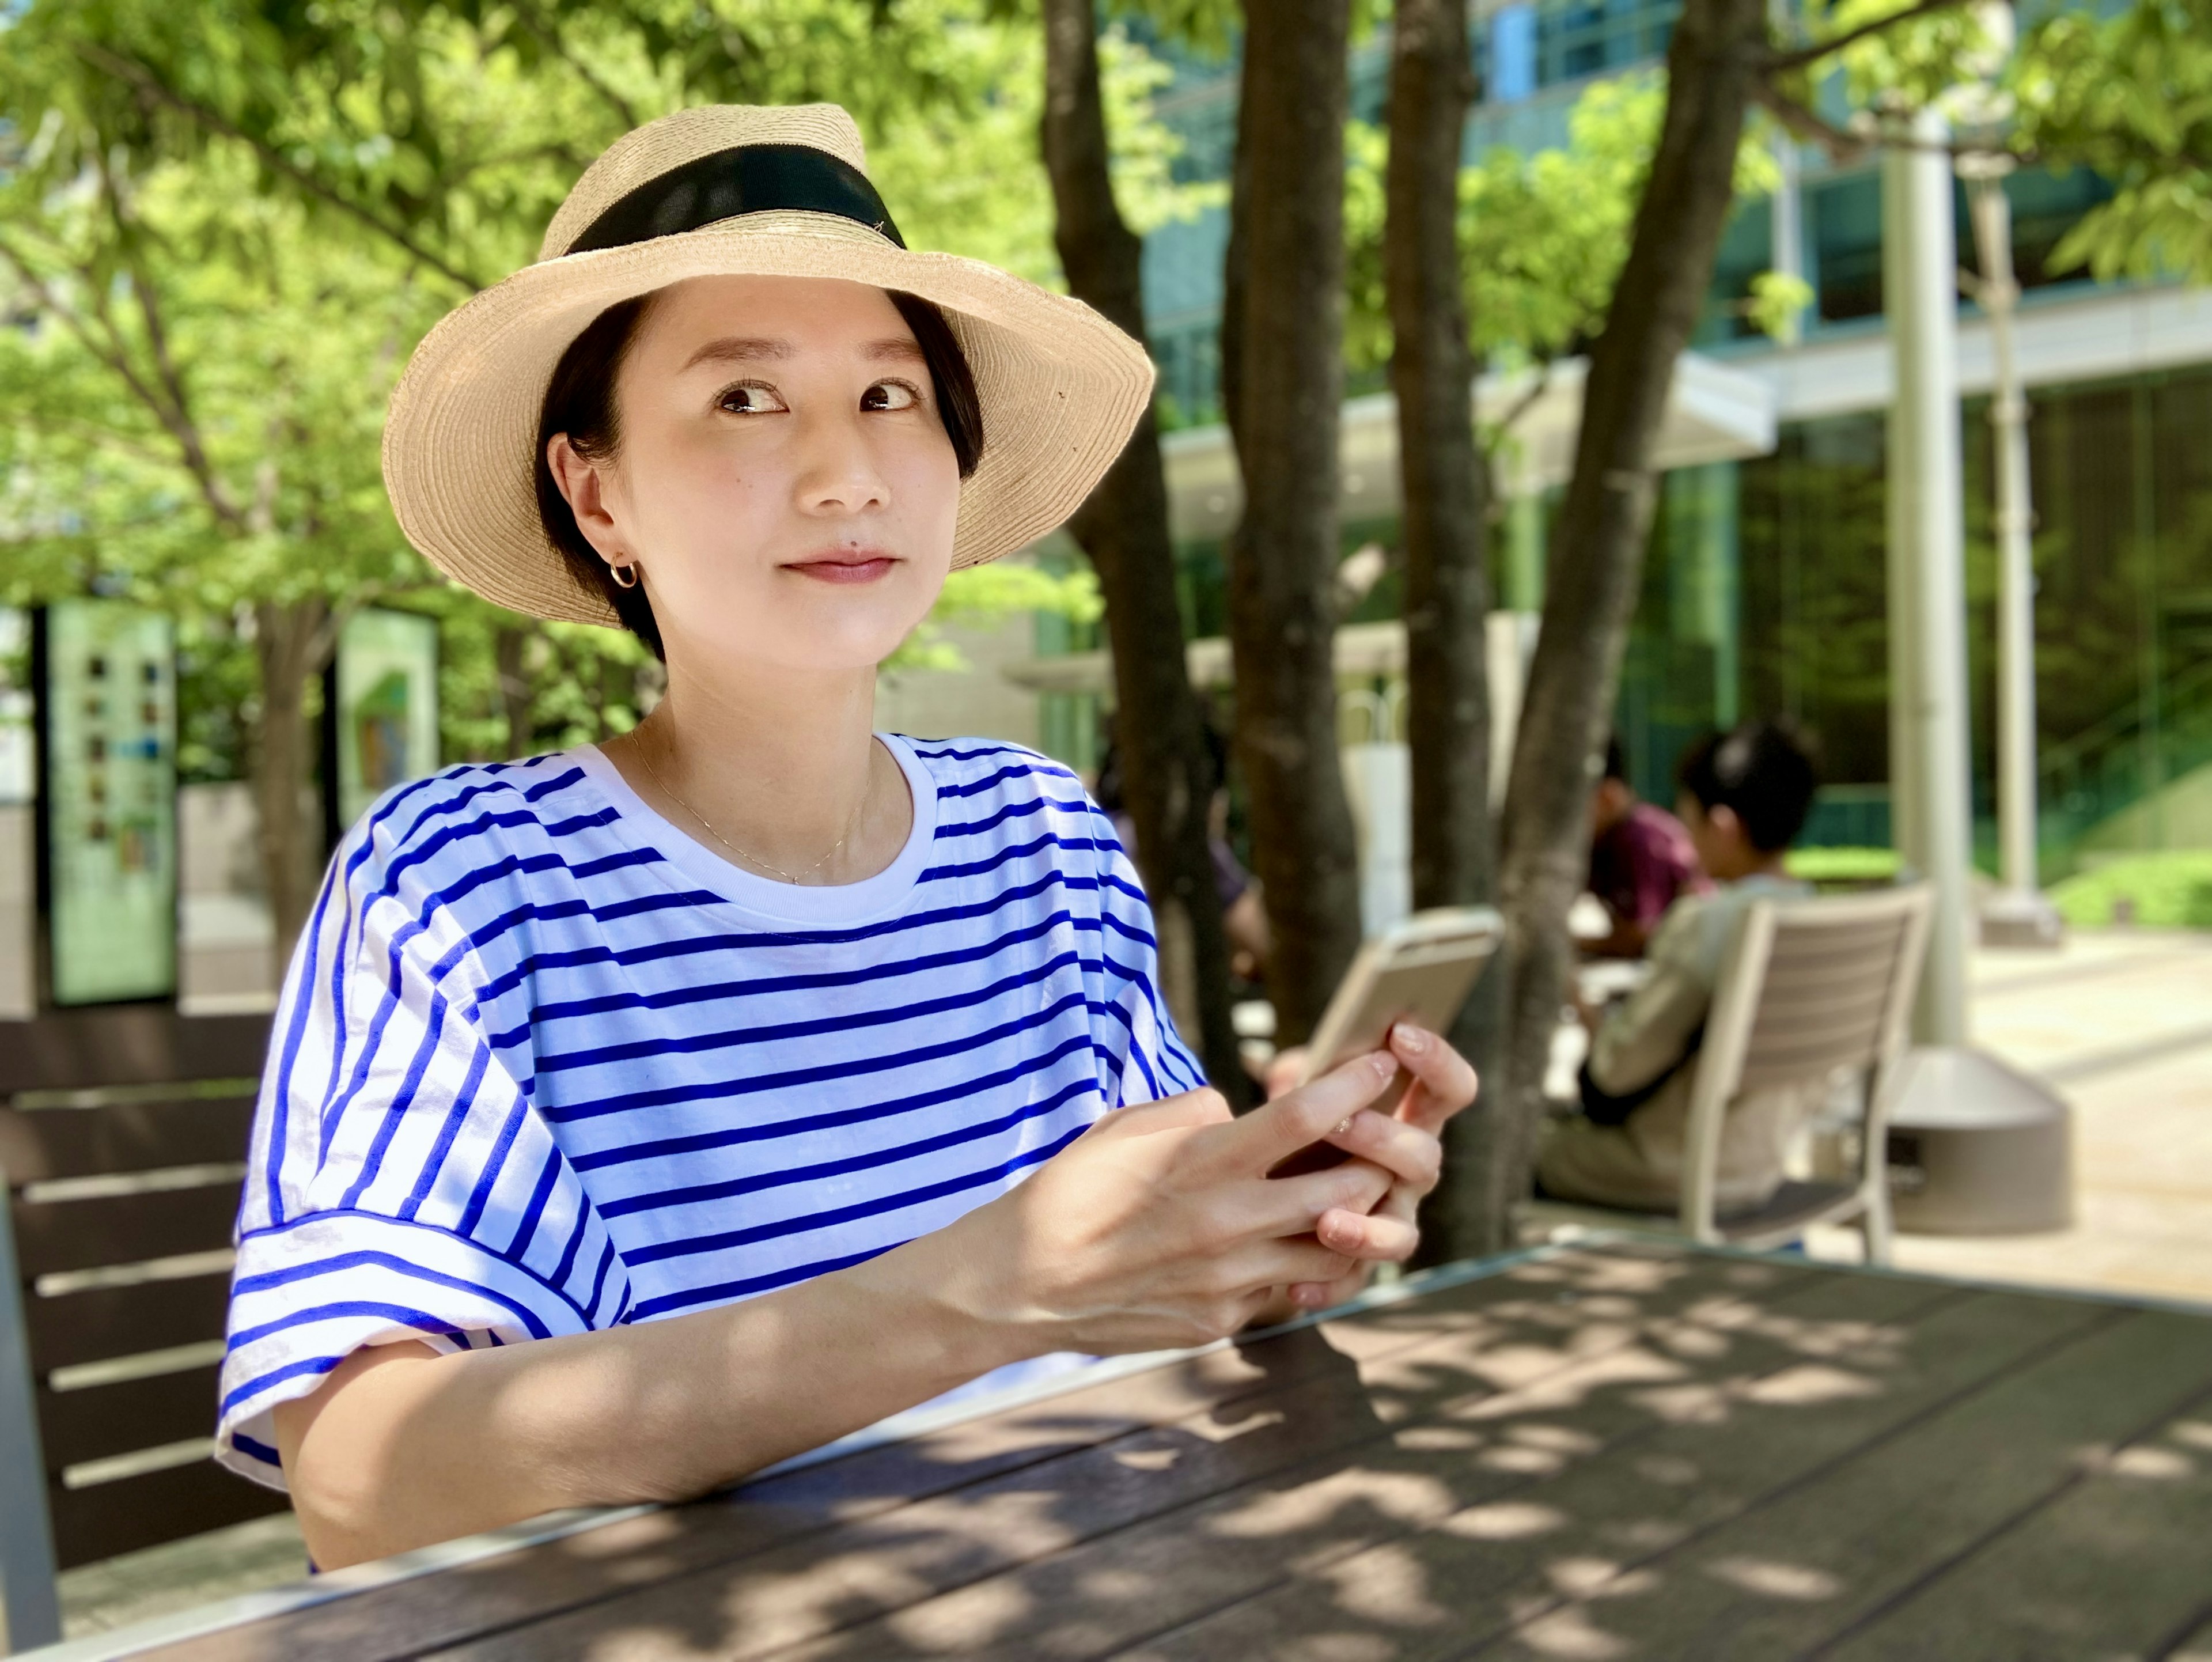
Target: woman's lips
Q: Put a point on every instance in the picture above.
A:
(841, 569)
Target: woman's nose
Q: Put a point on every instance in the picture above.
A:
(837, 472)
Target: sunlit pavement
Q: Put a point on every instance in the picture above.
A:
(2120, 1021)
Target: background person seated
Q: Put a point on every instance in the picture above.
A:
(1244, 917)
(1642, 861)
(1744, 798)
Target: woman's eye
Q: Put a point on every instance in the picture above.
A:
(890, 395)
(752, 398)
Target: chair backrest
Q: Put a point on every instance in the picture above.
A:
(122, 1140)
(1808, 989)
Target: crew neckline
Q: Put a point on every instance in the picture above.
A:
(765, 897)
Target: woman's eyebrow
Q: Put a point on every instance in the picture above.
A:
(899, 348)
(738, 348)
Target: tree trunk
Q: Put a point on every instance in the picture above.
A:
(1282, 564)
(1445, 529)
(1597, 553)
(1123, 526)
(292, 642)
(510, 644)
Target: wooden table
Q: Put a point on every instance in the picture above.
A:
(1594, 1453)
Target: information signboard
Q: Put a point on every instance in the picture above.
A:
(386, 706)
(111, 802)
(19, 770)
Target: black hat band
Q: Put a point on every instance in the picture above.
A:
(752, 178)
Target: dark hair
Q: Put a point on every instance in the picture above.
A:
(1764, 771)
(579, 401)
(1616, 764)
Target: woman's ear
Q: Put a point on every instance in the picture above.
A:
(584, 484)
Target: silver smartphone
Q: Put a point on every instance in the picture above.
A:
(1420, 970)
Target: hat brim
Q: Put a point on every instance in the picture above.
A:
(1061, 389)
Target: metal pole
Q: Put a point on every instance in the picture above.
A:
(2019, 916)
(1931, 804)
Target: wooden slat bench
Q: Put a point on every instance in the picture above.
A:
(1630, 1451)
(123, 1136)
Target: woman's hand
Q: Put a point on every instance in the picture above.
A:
(1406, 1141)
(1159, 1226)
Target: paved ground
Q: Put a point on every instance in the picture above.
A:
(2121, 1022)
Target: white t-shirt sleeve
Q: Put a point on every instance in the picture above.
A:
(1154, 1060)
(400, 1184)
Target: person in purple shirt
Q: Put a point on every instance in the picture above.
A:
(1641, 859)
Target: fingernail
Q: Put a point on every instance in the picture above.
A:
(1342, 1126)
(1411, 1039)
(1385, 1064)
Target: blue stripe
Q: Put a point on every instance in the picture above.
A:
(935, 919)
(843, 1022)
(1011, 811)
(723, 1240)
(1017, 851)
(673, 998)
(269, 1280)
(307, 1315)
(265, 1280)
(961, 1090)
(761, 1182)
(793, 1078)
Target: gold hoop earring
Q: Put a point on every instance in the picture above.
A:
(625, 576)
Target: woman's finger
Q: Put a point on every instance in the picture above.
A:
(1290, 1206)
(1262, 1264)
(1273, 1132)
(1377, 1236)
(1443, 1081)
(1188, 1111)
(1409, 1153)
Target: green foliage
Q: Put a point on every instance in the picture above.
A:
(2128, 93)
(2131, 97)
(983, 593)
(2172, 891)
(1542, 233)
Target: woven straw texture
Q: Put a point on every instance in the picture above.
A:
(1061, 386)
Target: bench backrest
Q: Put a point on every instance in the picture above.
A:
(122, 1140)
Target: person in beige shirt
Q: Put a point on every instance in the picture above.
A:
(1744, 797)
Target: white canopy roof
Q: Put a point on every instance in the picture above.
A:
(1715, 413)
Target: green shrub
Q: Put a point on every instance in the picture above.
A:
(2171, 889)
(1844, 866)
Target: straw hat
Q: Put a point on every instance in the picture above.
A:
(736, 190)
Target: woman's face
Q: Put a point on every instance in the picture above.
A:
(785, 484)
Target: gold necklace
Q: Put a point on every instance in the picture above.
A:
(752, 859)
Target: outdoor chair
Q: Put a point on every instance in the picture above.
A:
(1809, 991)
(123, 1137)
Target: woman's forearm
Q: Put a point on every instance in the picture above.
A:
(403, 1446)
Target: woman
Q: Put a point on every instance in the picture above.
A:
(639, 1116)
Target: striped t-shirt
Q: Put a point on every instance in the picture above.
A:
(544, 1064)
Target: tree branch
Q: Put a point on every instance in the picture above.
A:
(1809, 124)
(110, 356)
(1783, 63)
(548, 35)
(152, 86)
